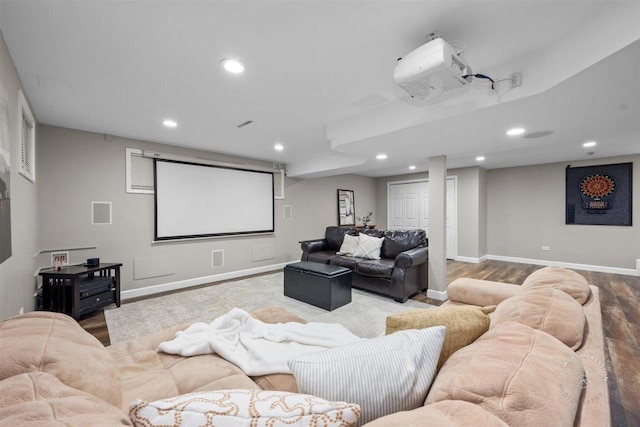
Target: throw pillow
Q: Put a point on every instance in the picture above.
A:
(559, 278)
(383, 375)
(546, 309)
(368, 247)
(230, 408)
(464, 325)
(349, 245)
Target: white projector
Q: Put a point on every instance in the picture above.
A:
(431, 70)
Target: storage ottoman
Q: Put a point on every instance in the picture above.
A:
(325, 286)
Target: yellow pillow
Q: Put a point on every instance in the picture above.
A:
(464, 325)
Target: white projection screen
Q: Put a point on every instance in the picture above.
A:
(195, 201)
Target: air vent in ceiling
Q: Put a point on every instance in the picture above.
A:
(241, 125)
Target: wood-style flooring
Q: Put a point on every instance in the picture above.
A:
(620, 305)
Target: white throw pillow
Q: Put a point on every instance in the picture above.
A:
(368, 247)
(383, 375)
(349, 245)
(236, 408)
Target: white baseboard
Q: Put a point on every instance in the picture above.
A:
(574, 266)
(437, 295)
(471, 259)
(182, 284)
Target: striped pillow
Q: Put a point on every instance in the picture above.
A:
(383, 375)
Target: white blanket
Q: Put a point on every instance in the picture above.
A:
(256, 347)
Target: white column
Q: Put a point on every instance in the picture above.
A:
(437, 227)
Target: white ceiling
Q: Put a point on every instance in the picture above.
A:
(122, 67)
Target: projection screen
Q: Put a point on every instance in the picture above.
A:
(195, 201)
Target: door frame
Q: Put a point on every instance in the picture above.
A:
(454, 250)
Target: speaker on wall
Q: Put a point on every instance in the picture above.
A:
(100, 213)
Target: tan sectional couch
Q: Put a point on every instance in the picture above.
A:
(517, 373)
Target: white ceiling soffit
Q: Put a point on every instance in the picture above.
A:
(542, 71)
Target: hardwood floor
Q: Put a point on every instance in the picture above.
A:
(619, 298)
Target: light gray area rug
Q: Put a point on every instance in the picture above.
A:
(364, 316)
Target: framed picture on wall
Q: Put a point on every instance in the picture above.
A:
(346, 208)
(599, 195)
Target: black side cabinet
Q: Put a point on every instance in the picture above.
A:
(78, 289)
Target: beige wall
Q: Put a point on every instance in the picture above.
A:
(79, 167)
(17, 282)
(526, 210)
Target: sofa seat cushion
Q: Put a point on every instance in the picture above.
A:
(375, 268)
(547, 309)
(323, 257)
(40, 399)
(397, 241)
(57, 344)
(448, 413)
(522, 375)
(559, 278)
(244, 408)
(464, 325)
(345, 261)
(151, 375)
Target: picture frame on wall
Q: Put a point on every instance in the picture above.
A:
(599, 195)
(346, 208)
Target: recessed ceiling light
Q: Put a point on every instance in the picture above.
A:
(412, 167)
(589, 144)
(515, 131)
(381, 156)
(480, 158)
(278, 147)
(232, 65)
(170, 123)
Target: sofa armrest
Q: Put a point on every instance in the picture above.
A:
(412, 257)
(316, 245)
(480, 292)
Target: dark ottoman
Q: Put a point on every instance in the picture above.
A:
(325, 286)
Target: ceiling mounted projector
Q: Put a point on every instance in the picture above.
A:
(432, 69)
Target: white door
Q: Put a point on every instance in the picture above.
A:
(409, 208)
(404, 212)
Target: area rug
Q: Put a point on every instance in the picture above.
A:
(364, 316)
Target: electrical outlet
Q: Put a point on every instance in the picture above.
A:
(515, 80)
(546, 248)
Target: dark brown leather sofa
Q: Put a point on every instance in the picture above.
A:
(401, 271)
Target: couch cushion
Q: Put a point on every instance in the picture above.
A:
(448, 413)
(57, 344)
(257, 408)
(396, 241)
(464, 325)
(376, 268)
(345, 261)
(151, 375)
(335, 235)
(323, 257)
(522, 375)
(40, 399)
(547, 309)
(368, 247)
(480, 292)
(560, 278)
(383, 375)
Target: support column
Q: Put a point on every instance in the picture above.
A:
(437, 228)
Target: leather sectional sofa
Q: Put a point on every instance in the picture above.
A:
(401, 271)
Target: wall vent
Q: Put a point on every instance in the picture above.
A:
(100, 213)
(217, 258)
(287, 212)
